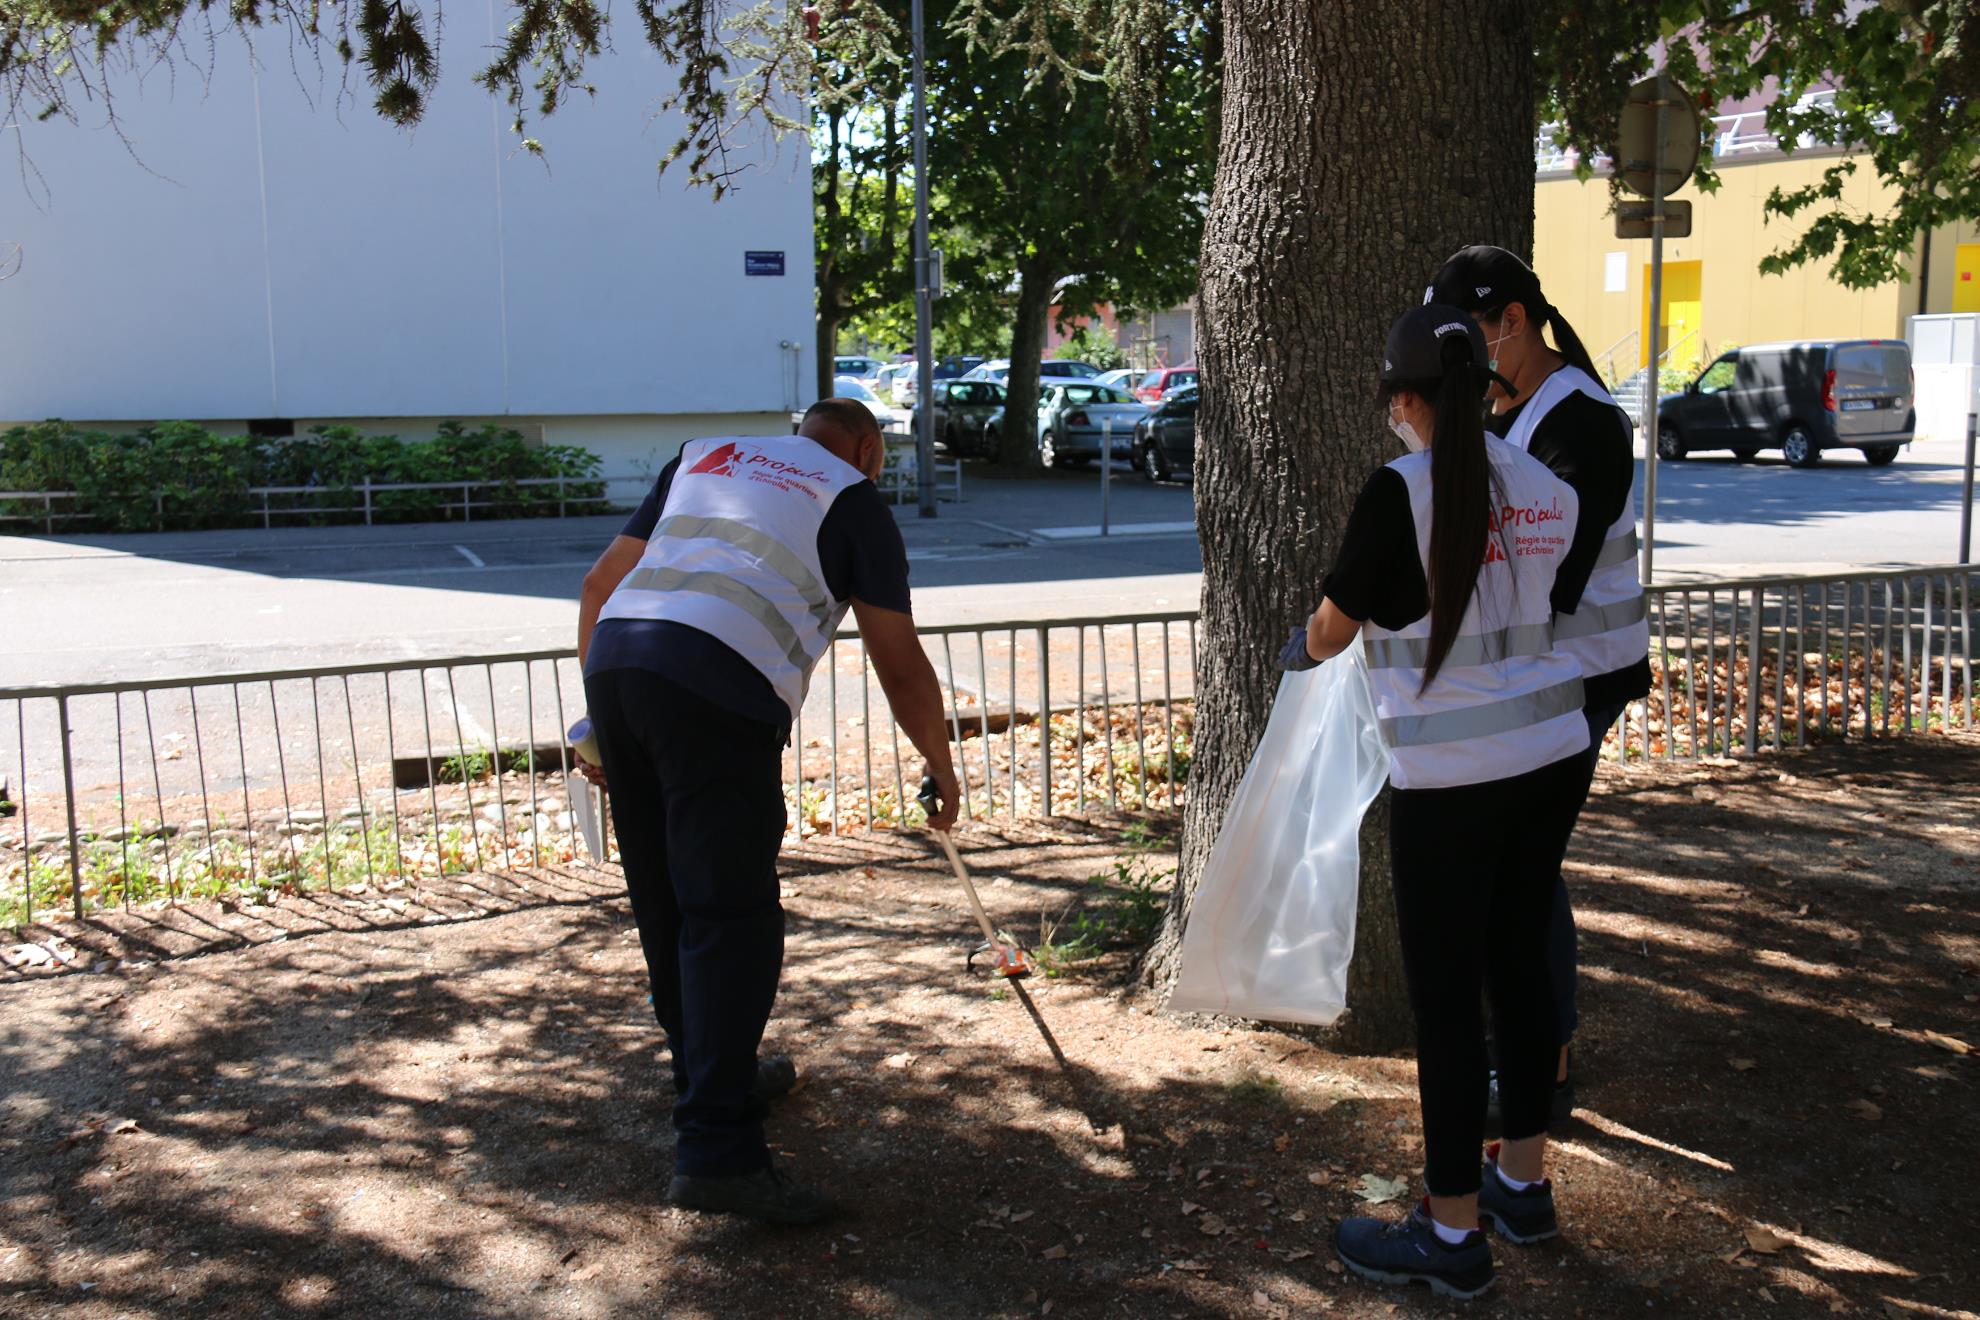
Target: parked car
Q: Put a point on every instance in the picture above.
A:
(1123, 379)
(1165, 440)
(1073, 418)
(963, 409)
(889, 417)
(858, 366)
(882, 383)
(1163, 381)
(908, 382)
(999, 370)
(1800, 398)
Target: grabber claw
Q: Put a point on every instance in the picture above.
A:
(1006, 960)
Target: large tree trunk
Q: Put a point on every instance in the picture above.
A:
(1362, 144)
(1018, 450)
(828, 343)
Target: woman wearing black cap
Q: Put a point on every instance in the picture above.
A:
(1552, 406)
(1446, 570)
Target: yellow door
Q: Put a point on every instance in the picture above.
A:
(1966, 278)
(1682, 316)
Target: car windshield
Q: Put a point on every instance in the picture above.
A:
(1060, 367)
(1873, 366)
(1084, 394)
(849, 388)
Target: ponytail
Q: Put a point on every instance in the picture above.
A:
(1568, 344)
(1461, 501)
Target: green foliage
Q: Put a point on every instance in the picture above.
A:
(181, 475)
(1088, 345)
(1907, 68)
(1122, 909)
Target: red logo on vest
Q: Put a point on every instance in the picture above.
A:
(720, 462)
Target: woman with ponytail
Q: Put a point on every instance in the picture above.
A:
(1551, 405)
(1446, 573)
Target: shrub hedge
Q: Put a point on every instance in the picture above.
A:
(176, 475)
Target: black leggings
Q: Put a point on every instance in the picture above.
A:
(1475, 869)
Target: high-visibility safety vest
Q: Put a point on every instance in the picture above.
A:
(1610, 629)
(1507, 699)
(735, 554)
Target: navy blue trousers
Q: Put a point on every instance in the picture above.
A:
(698, 808)
(1563, 959)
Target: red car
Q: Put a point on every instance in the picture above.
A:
(1156, 385)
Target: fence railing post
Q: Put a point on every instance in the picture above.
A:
(69, 800)
(367, 499)
(1752, 669)
(1045, 719)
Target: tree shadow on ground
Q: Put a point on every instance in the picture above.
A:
(469, 1117)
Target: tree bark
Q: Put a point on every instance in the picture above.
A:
(1362, 144)
(1018, 444)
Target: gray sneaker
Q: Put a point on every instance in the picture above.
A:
(764, 1195)
(1523, 1217)
(1410, 1251)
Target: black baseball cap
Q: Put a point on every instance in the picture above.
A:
(1419, 347)
(1479, 279)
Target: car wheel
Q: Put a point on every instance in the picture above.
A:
(1880, 455)
(1798, 447)
(1745, 454)
(1670, 445)
(1048, 453)
(1153, 465)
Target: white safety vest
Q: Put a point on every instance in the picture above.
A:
(1610, 630)
(735, 554)
(1507, 700)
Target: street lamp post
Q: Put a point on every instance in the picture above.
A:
(924, 292)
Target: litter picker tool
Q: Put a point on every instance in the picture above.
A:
(1010, 960)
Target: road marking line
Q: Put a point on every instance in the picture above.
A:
(471, 556)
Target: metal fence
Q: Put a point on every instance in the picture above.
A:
(152, 791)
(120, 793)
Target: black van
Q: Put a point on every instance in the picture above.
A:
(1799, 398)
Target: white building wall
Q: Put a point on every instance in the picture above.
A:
(274, 251)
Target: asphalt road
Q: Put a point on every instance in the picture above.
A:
(99, 608)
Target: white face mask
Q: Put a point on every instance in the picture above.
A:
(1492, 351)
(1406, 433)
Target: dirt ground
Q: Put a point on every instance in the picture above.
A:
(449, 1101)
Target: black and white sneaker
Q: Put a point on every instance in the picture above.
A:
(1526, 1216)
(1409, 1251)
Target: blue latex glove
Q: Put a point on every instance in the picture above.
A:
(1293, 658)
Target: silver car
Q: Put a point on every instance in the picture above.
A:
(1074, 419)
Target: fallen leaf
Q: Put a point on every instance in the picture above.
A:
(1047, 1308)
(1175, 1138)
(1022, 1215)
(1193, 1266)
(1742, 1065)
(125, 1125)
(1054, 1252)
(1766, 1296)
(1765, 1240)
(1190, 1207)
(1375, 1189)
(1335, 1267)
(1867, 1110)
(903, 1060)
(1261, 1301)
(1873, 1020)
(1319, 1178)
(1280, 1142)
(1301, 1254)
(1953, 1043)
(1211, 1225)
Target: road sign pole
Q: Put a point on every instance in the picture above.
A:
(1966, 495)
(1652, 387)
(1106, 471)
(924, 300)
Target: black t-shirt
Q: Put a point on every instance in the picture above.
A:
(1379, 574)
(864, 558)
(1588, 444)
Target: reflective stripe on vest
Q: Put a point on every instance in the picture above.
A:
(723, 587)
(1519, 712)
(1618, 550)
(1478, 649)
(765, 547)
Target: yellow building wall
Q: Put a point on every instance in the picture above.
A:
(1574, 242)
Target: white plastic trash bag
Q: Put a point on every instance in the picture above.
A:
(1272, 926)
